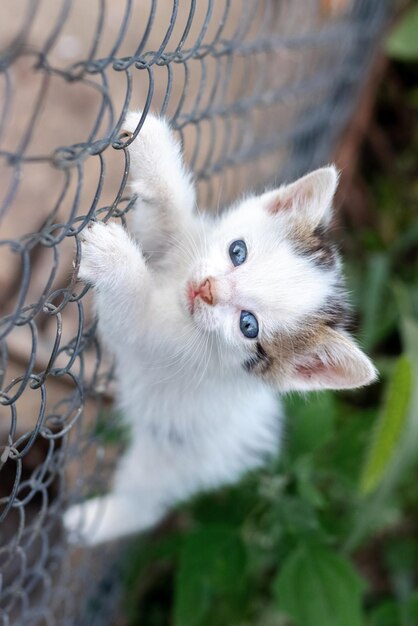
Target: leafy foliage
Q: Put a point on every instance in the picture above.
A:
(211, 578)
(403, 42)
(390, 426)
(328, 535)
(328, 582)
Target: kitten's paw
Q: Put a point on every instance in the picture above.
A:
(155, 141)
(105, 249)
(159, 178)
(108, 518)
(152, 129)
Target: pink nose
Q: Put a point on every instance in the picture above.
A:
(207, 291)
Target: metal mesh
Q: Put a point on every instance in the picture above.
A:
(258, 91)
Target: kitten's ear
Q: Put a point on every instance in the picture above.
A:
(332, 362)
(308, 199)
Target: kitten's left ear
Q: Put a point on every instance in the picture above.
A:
(308, 199)
(332, 361)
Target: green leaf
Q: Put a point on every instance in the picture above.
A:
(403, 42)
(311, 422)
(374, 292)
(227, 507)
(407, 302)
(412, 608)
(389, 427)
(387, 614)
(297, 517)
(317, 587)
(305, 476)
(394, 613)
(212, 572)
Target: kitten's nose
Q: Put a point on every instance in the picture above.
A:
(207, 291)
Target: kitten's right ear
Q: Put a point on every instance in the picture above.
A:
(332, 361)
(308, 199)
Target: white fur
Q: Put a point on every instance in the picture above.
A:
(198, 419)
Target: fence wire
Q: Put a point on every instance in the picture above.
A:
(258, 91)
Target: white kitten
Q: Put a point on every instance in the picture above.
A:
(208, 317)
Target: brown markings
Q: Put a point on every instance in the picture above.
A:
(280, 352)
(275, 359)
(260, 360)
(316, 244)
(335, 313)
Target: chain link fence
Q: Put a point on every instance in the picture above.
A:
(258, 91)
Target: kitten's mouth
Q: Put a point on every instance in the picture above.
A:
(191, 294)
(196, 290)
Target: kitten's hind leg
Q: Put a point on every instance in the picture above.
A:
(107, 518)
(150, 478)
(163, 184)
(145, 485)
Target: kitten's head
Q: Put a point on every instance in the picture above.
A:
(270, 285)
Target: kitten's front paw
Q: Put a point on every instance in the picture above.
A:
(154, 142)
(104, 249)
(152, 128)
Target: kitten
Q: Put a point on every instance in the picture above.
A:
(207, 318)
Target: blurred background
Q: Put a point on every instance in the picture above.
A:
(259, 92)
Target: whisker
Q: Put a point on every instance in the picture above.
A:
(188, 352)
(201, 352)
(208, 357)
(188, 255)
(177, 354)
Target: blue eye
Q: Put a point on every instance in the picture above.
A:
(238, 252)
(248, 324)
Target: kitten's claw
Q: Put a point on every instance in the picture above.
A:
(126, 134)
